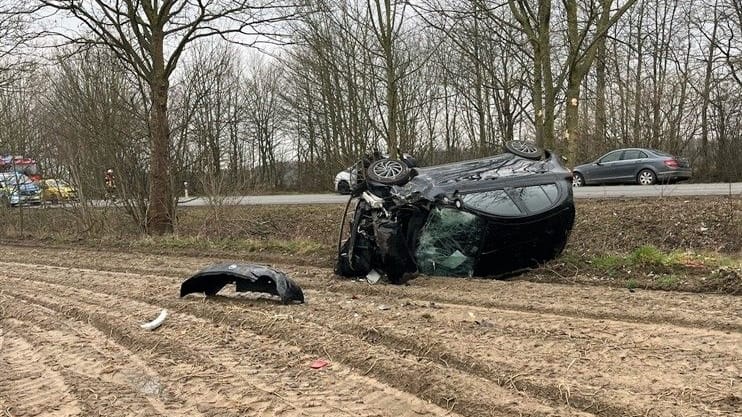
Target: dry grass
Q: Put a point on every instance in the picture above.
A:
(670, 243)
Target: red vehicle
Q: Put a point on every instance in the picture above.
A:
(24, 165)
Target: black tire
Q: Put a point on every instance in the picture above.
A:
(578, 180)
(343, 187)
(646, 177)
(524, 149)
(388, 172)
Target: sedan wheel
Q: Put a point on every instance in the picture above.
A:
(577, 180)
(343, 187)
(646, 177)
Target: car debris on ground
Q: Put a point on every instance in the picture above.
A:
(247, 278)
(154, 324)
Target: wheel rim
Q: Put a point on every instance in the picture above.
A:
(388, 169)
(646, 178)
(577, 181)
(524, 147)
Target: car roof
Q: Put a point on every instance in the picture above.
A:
(653, 151)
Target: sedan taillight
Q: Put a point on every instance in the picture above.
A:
(672, 163)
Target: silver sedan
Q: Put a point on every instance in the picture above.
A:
(632, 165)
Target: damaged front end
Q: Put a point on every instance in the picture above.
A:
(246, 277)
(487, 217)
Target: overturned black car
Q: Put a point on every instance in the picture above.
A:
(485, 217)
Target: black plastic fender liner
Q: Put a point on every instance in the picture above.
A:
(246, 277)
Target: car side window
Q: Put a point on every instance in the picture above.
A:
(611, 157)
(495, 202)
(633, 154)
(538, 198)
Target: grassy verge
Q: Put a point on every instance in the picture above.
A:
(669, 244)
(647, 267)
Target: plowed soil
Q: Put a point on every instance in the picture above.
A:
(71, 345)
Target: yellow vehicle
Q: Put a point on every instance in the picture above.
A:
(57, 190)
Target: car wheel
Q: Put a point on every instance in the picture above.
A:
(524, 149)
(578, 180)
(344, 187)
(646, 177)
(388, 172)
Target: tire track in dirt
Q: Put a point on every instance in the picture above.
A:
(215, 391)
(29, 386)
(532, 353)
(559, 392)
(84, 354)
(347, 389)
(402, 341)
(549, 324)
(591, 302)
(471, 395)
(562, 368)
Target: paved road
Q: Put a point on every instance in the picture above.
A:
(616, 191)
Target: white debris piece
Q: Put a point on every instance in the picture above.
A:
(373, 277)
(156, 322)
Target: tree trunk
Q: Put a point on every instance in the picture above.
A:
(705, 165)
(572, 116)
(600, 105)
(161, 208)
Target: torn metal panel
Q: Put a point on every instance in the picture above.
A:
(246, 277)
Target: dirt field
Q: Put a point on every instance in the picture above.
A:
(70, 345)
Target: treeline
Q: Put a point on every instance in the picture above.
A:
(441, 79)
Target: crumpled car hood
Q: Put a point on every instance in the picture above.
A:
(246, 277)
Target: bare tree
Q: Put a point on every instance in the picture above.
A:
(16, 35)
(387, 18)
(150, 36)
(586, 27)
(332, 89)
(265, 117)
(91, 96)
(729, 42)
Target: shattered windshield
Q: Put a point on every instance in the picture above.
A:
(449, 243)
